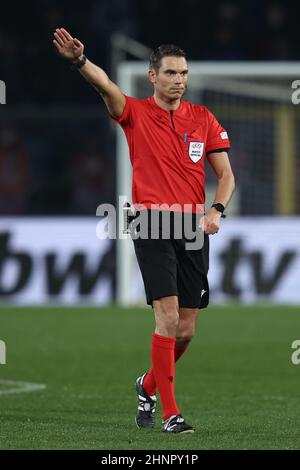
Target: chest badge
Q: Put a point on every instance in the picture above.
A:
(196, 151)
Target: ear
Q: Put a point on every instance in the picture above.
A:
(152, 76)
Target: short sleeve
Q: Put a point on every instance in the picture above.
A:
(217, 137)
(126, 118)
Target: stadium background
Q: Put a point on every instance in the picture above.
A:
(58, 163)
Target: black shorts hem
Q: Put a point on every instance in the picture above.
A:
(181, 304)
(201, 306)
(160, 296)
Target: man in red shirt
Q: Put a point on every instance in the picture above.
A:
(168, 140)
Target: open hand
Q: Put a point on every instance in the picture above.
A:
(70, 48)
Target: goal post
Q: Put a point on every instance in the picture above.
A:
(253, 101)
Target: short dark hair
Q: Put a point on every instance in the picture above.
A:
(165, 50)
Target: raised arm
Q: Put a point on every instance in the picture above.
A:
(72, 49)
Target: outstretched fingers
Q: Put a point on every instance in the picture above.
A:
(58, 47)
(59, 38)
(66, 35)
(77, 43)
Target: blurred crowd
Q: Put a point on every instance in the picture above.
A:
(62, 166)
(55, 167)
(218, 30)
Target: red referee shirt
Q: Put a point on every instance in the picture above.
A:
(167, 151)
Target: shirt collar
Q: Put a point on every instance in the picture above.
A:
(164, 111)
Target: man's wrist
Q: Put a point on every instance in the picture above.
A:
(219, 208)
(77, 58)
(215, 212)
(79, 62)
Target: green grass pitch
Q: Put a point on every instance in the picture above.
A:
(236, 384)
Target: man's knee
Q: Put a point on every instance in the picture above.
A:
(187, 325)
(186, 331)
(184, 337)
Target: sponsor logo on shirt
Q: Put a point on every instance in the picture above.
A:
(224, 135)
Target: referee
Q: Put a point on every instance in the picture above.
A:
(169, 140)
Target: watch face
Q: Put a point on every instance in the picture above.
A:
(219, 207)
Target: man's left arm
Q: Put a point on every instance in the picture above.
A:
(220, 163)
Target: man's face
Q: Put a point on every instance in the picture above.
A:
(171, 79)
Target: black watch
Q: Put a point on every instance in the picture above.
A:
(78, 63)
(220, 208)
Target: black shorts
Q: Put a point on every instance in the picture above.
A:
(168, 268)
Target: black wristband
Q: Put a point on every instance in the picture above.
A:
(220, 208)
(78, 63)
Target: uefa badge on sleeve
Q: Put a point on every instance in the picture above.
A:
(196, 151)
